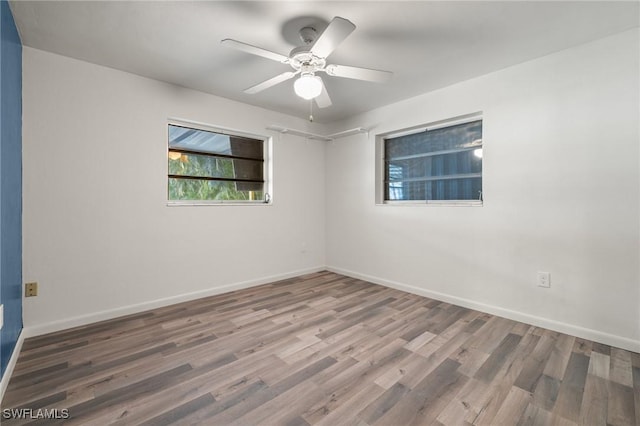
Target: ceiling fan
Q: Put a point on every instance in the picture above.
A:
(311, 58)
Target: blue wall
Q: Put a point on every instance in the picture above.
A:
(10, 183)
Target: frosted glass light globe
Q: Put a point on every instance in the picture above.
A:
(308, 86)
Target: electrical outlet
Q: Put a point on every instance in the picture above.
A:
(544, 279)
(30, 289)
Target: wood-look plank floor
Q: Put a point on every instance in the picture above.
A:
(323, 349)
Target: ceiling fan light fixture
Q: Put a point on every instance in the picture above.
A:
(308, 86)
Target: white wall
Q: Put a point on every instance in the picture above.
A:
(98, 235)
(561, 185)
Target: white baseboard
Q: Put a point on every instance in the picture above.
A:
(8, 372)
(573, 330)
(37, 330)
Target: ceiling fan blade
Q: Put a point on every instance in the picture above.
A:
(338, 29)
(255, 50)
(271, 82)
(323, 100)
(358, 73)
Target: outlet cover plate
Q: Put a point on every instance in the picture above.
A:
(31, 289)
(544, 279)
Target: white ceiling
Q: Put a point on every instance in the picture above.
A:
(427, 44)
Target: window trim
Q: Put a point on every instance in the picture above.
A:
(267, 146)
(380, 182)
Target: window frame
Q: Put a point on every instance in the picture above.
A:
(380, 167)
(267, 146)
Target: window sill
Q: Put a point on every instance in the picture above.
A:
(462, 203)
(186, 203)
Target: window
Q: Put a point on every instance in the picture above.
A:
(215, 166)
(437, 164)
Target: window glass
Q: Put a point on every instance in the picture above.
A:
(207, 165)
(439, 164)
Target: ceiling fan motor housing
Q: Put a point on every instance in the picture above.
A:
(302, 59)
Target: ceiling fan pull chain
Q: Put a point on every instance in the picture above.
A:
(310, 110)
